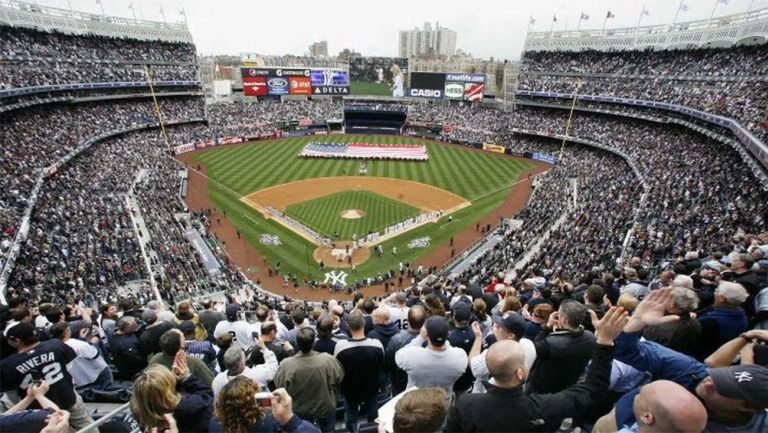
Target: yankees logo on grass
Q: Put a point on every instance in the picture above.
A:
(336, 278)
(268, 239)
(419, 243)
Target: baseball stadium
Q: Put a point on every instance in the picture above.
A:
(207, 227)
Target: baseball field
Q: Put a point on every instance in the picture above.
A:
(330, 197)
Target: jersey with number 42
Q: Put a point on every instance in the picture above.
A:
(46, 361)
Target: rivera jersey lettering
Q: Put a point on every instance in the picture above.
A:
(47, 361)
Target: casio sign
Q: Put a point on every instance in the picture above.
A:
(278, 82)
(426, 93)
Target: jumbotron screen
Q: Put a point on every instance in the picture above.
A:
(262, 81)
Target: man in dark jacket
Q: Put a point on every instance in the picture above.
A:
(416, 317)
(129, 353)
(383, 330)
(534, 412)
(725, 321)
(563, 349)
(741, 272)
(150, 338)
(363, 362)
(682, 335)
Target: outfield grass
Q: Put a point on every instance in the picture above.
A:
(370, 88)
(324, 214)
(480, 177)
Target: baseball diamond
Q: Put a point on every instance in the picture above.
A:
(245, 178)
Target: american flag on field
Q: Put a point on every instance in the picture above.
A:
(365, 151)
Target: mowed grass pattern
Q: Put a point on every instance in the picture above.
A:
(480, 177)
(324, 214)
(470, 174)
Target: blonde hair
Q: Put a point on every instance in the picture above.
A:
(154, 395)
(628, 302)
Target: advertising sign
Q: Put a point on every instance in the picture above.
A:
(490, 147)
(473, 91)
(277, 86)
(427, 85)
(255, 86)
(262, 81)
(330, 90)
(454, 90)
(299, 86)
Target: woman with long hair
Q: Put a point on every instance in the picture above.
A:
(158, 392)
(237, 411)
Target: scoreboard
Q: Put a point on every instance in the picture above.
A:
(439, 85)
(275, 81)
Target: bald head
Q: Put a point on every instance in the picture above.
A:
(664, 406)
(506, 363)
(381, 316)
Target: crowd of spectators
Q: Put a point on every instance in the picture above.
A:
(544, 355)
(665, 334)
(730, 82)
(43, 135)
(34, 58)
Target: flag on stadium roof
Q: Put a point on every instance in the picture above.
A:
(684, 7)
(610, 15)
(531, 20)
(584, 16)
(645, 12)
(725, 2)
(554, 18)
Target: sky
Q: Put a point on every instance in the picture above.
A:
(485, 28)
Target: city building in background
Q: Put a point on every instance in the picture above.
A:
(427, 41)
(318, 49)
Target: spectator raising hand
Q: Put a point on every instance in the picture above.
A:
(651, 311)
(610, 326)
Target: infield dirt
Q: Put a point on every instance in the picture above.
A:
(254, 266)
(416, 194)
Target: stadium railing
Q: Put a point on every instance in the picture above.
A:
(22, 91)
(755, 146)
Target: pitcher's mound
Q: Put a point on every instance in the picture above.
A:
(352, 214)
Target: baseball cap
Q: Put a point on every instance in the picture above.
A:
(187, 327)
(24, 331)
(461, 312)
(713, 265)
(437, 330)
(231, 312)
(512, 322)
(76, 326)
(742, 382)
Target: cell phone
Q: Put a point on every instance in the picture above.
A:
(255, 334)
(264, 399)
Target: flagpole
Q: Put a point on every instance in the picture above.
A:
(751, 3)
(581, 15)
(133, 10)
(570, 119)
(605, 21)
(680, 6)
(552, 26)
(714, 9)
(641, 16)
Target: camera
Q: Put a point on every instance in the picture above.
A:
(264, 399)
